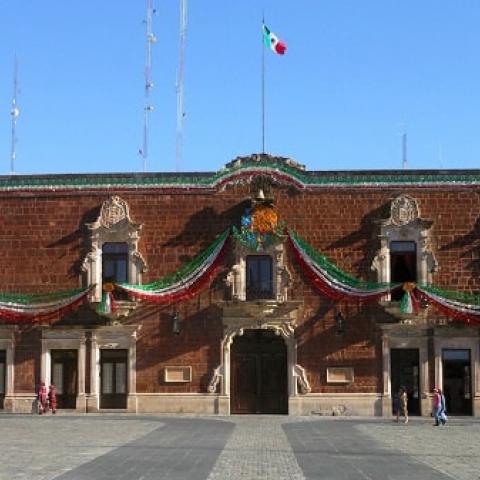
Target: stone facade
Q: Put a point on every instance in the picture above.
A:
(49, 238)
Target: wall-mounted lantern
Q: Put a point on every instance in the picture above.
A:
(339, 323)
(176, 324)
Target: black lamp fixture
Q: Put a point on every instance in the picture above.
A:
(339, 323)
(176, 324)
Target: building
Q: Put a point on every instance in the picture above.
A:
(261, 288)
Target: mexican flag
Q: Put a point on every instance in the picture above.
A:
(272, 41)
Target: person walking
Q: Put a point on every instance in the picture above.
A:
(42, 398)
(402, 404)
(436, 406)
(443, 409)
(52, 398)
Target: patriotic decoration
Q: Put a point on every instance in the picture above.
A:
(259, 228)
(329, 279)
(39, 307)
(186, 282)
(409, 303)
(271, 41)
(108, 304)
(455, 305)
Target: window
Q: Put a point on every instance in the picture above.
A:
(405, 253)
(115, 262)
(403, 264)
(259, 277)
(114, 254)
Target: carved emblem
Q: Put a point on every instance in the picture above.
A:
(403, 210)
(260, 227)
(113, 211)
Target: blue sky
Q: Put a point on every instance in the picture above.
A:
(354, 74)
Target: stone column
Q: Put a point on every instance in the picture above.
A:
(9, 401)
(93, 398)
(132, 374)
(81, 398)
(45, 365)
(387, 386)
(476, 379)
(424, 381)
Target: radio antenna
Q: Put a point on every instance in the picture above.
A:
(180, 75)
(150, 39)
(14, 113)
(404, 151)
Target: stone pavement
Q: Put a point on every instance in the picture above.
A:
(108, 447)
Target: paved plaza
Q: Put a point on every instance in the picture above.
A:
(113, 447)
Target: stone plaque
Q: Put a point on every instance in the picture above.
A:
(340, 375)
(178, 374)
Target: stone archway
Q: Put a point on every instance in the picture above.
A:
(240, 317)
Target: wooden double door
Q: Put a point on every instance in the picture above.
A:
(259, 373)
(405, 368)
(64, 376)
(113, 378)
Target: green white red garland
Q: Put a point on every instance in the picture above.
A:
(331, 280)
(187, 281)
(20, 308)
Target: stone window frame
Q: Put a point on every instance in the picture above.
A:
(454, 338)
(406, 337)
(115, 337)
(405, 224)
(237, 276)
(65, 339)
(113, 225)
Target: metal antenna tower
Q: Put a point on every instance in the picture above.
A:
(14, 113)
(404, 150)
(150, 39)
(180, 75)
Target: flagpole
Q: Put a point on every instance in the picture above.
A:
(263, 88)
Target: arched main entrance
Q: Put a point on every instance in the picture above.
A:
(259, 373)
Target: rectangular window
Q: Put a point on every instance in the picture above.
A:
(259, 277)
(57, 377)
(107, 377)
(113, 378)
(115, 262)
(403, 265)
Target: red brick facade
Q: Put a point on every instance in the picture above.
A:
(44, 240)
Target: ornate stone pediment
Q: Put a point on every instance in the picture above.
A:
(264, 158)
(114, 210)
(404, 212)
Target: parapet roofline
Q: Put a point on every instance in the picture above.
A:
(243, 169)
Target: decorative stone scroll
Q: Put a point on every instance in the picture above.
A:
(216, 377)
(301, 374)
